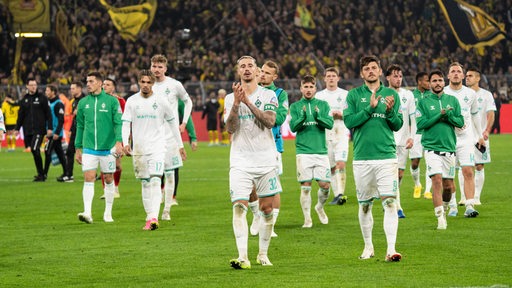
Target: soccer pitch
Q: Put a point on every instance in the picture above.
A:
(43, 244)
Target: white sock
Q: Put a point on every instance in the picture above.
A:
(479, 183)
(156, 196)
(87, 196)
(366, 223)
(323, 194)
(461, 185)
(428, 183)
(168, 190)
(453, 200)
(397, 200)
(305, 201)
(416, 176)
(109, 197)
(240, 229)
(470, 203)
(266, 225)
(439, 211)
(276, 213)
(335, 182)
(255, 208)
(342, 180)
(390, 223)
(146, 198)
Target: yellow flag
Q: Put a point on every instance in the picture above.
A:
(472, 27)
(131, 20)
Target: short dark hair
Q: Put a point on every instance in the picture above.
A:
(111, 80)
(474, 69)
(435, 72)
(308, 79)
(365, 60)
(31, 79)
(421, 75)
(78, 84)
(53, 88)
(96, 74)
(391, 68)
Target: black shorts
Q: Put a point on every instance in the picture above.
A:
(10, 127)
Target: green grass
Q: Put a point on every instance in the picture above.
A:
(42, 244)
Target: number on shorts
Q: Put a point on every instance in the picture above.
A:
(273, 183)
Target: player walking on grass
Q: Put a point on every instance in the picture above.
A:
(438, 115)
(172, 90)
(145, 116)
(98, 136)
(109, 85)
(310, 118)
(486, 108)
(269, 73)
(337, 137)
(404, 137)
(466, 138)
(373, 112)
(250, 114)
(416, 152)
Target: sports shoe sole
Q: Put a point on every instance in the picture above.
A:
(472, 214)
(394, 258)
(237, 264)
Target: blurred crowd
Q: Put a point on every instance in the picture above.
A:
(412, 33)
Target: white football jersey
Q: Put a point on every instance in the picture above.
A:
(148, 117)
(485, 102)
(253, 144)
(408, 111)
(468, 107)
(336, 100)
(172, 89)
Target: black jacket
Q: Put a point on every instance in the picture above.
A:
(34, 114)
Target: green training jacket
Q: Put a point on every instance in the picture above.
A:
(98, 122)
(310, 118)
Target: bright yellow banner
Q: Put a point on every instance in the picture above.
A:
(131, 20)
(30, 15)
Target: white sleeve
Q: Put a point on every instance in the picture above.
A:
(127, 121)
(126, 132)
(475, 116)
(2, 123)
(172, 120)
(412, 115)
(228, 104)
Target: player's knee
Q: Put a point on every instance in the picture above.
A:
(365, 205)
(389, 203)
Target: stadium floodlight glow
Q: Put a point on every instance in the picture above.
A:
(29, 35)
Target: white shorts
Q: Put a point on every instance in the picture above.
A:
(337, 151)
(483, 158)
(279, 163)
(172, 159)
(440, 163)
(375, 179)
(241, 183)
(465, 153)
(401, 155)
(416, 150)
(313, 167)
(146, 166)
(107, 163)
